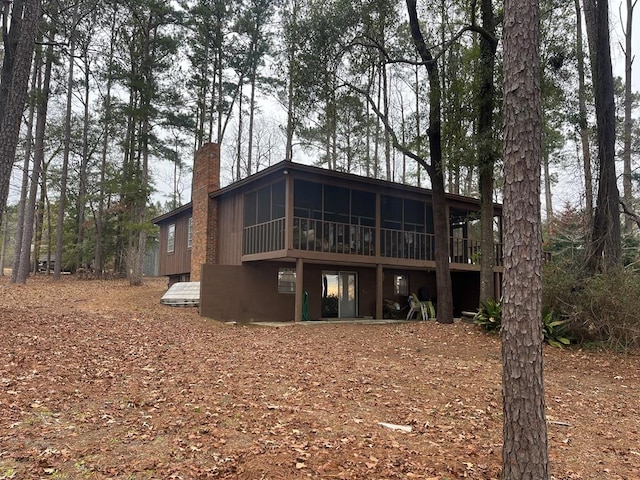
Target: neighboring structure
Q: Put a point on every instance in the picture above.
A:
(296, 241)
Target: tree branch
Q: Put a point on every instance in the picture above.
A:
(630, 213)
(389, 129)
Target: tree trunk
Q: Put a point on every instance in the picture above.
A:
(605, 248)
(239, 146)
(548, 200)
(100, 220)
(252, 112)
(39, 222)
(486, 151)
(582, 118)
(525, 452)
(628, 120)
(436, 172)
(19, 43)
(22, 204)
(65, 156)
(5, 230)
(387, 140)
(418, 129)
(38, 161)
(81, 260)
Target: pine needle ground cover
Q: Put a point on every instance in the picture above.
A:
(101, 381)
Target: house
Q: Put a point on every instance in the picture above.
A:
(295, 241)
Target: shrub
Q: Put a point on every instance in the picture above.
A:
(489, 316)
(554, 330)
(603, 309)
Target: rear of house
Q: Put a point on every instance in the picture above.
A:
(297, 242)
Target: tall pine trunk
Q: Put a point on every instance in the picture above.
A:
(65, 155)
(38, 161)
(19, 44)
(24, 191)
(605, 248)
(524, 453)
(582, 117)
(486, 151)
(100, 216)
(628, 120)
(436, 172)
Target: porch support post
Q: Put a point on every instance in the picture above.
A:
(379, 274)
(299, 290)
(378, 223)
(288, 195)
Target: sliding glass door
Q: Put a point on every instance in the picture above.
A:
(339, 295)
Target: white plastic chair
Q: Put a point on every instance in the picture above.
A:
(416, 306)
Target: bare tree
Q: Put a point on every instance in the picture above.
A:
(525, 451)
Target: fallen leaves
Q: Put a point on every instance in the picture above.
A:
(101, 381)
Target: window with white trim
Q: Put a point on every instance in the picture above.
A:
(171, 238)
(190, 232)
(287, 280)
(401, 285)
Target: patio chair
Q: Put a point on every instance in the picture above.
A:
(424, 309)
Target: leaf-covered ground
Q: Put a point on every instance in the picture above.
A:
(98, 380)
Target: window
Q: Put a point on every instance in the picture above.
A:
(287, 280)
(190, 232)
(401, 285)
(171, 238)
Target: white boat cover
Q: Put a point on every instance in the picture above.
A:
(182, 294)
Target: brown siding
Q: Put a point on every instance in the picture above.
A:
(244, 293)
(178, 262)
(248, 292)
(230, 221)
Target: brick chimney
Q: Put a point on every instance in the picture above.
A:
(206, 179)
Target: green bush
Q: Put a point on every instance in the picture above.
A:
(603, 309)
(489, 316)
(554, 330)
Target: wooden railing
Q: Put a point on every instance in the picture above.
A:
(335, 237)
(403, 244)
(264, 237)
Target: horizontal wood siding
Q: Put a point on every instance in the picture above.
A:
(230, 220)
(178, 262)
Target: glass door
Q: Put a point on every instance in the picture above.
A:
(347, 295)
(339, 298)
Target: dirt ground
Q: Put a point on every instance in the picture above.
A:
(98, 380)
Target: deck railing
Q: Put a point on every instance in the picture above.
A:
(335, 237)
(404, 244)
(264, 237)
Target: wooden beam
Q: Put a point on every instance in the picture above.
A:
(299, 290)
(379, 277)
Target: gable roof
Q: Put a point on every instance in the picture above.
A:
(188, 207)
(319, 172)
(287, 166)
